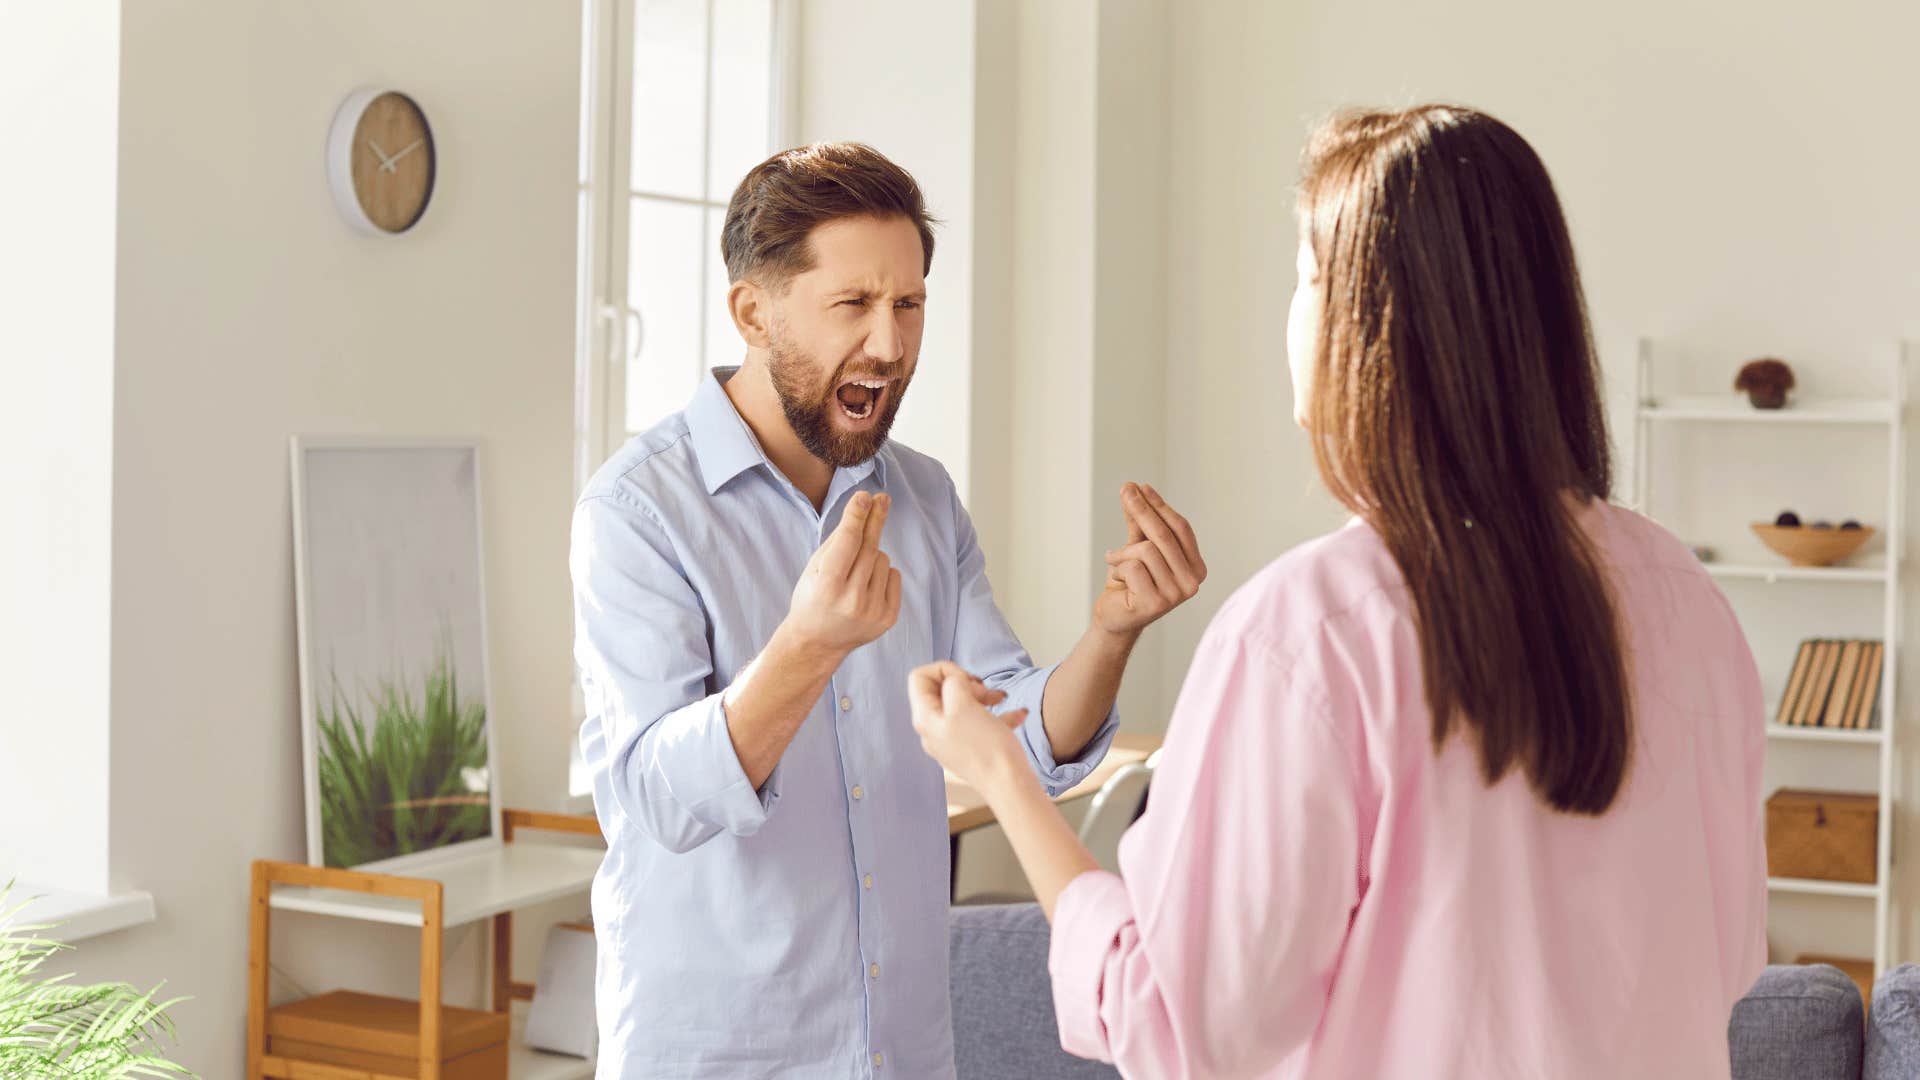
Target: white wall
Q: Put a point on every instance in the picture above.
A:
(1737, 186)
(247, 312)
(56, 434)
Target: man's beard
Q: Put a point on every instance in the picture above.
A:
(810, 412)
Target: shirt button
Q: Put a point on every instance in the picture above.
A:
(878, 1060)
(846, 704)
(873, 970)
(859, 792)
(867, 881)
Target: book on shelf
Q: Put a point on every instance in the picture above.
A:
(1846, 668)
(1796, 682)
(1834, 683)
(1819, 683)
(1860, 715)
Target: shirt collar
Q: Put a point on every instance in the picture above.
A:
(724, 445)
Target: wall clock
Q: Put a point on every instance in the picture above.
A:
(381, 161)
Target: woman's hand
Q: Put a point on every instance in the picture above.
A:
(950, 714)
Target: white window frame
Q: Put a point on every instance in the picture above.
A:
(609, 331)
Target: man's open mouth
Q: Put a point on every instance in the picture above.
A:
(860, 398)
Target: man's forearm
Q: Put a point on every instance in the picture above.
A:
(1082, 690)
(767, 703)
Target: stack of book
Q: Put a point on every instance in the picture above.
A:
(1833, 684)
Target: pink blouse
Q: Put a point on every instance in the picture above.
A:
(1313, 892)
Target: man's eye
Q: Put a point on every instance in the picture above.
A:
(855, 302)
(908, 305)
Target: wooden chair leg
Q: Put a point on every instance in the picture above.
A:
(259, 920)
(431, 945)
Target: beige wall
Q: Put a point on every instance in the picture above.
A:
(249, 312)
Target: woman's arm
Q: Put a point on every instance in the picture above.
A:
(1050, 852)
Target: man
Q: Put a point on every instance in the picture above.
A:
(754, 580)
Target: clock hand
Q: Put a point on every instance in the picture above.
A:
(386, 163)
(410, 148)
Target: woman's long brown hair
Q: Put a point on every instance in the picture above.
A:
(1456, 408)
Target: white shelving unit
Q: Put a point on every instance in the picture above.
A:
(1847, 416)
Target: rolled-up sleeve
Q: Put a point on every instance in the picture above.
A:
(1212, 953)
(655, 734)
(985, 645)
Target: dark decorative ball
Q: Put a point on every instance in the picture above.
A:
(1766, 382)
(1787, 520)
(1849, 524)
(1821, 525)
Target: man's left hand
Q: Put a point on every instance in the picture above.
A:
(1159, 569)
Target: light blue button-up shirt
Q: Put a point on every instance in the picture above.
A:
(799, 930)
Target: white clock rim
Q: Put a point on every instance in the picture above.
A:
(346, 121)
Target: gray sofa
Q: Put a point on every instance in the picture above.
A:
(1798, 1023)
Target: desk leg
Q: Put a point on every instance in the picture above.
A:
(503, 962)
(953, 866)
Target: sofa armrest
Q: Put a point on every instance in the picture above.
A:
(1799, 1022)
(1893, 1024)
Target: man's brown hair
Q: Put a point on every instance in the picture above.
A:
(784, 198)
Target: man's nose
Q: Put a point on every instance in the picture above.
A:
(885, 343)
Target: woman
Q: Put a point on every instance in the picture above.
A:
(1471, 787)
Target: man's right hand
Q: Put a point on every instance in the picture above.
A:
(849, 594)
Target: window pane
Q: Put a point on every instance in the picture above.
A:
(724, 346)
(663, 285)
(589, 68)
(583, 255)
(742, 91)
(669, 95)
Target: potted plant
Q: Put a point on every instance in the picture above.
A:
(1766, 382)
(52, 1028)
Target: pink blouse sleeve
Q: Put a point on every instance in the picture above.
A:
(1215, 953)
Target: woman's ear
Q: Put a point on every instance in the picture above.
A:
(752, 311)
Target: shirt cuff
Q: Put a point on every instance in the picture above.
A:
(703, 773)
(1056, 776)
(1088, 919)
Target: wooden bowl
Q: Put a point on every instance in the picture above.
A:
(1804, 545)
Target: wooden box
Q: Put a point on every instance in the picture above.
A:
(1823, 835)
(382, 1035)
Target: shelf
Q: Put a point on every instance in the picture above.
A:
(76, 916)
(526, 1063)
(501, 878)
(1870, 736)
(1771, 574)
(1733, 409)
(1822, 888)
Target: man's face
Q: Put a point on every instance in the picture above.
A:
(846, 336)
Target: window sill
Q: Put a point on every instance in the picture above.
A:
(79, 915)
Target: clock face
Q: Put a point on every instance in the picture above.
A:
(392, 162)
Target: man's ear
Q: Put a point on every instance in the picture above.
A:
(752, 309)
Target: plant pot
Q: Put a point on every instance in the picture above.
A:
(1768, 397)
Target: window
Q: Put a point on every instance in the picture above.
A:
(679, 98)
